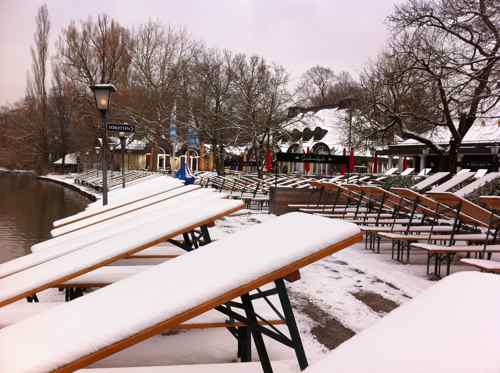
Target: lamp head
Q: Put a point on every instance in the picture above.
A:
(102, 95)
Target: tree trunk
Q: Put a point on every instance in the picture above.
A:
(452, 157)
(220, 160)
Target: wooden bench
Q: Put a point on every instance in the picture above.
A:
(130, 311)
(92, 235)
(486, 219)
(140, 205)
(167, 226)
(166, 185)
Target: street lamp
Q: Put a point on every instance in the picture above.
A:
(102, 94)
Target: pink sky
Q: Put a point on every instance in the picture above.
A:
(297, 34)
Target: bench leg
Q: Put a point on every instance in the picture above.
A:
(244, 344)
(256, 334)
(291, 324)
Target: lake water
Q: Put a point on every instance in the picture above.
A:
(28, 207)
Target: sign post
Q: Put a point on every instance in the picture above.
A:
(121, 128)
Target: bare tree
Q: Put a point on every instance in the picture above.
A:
(95, 52)
(451, 47)
(262, 103)
(315, 85)
(211, 92)
(39, 56)
(64, 103)
(160, 60)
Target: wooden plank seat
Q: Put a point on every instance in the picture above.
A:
(327, 208)
(450, 327)
(360, 195)
(92, 235)
(489, 219)
(441, 205)
(398, 249)
(128, 208)
(372, 239)
(169, 185)
(166, 226)
(252, 367)
(484, 265)
(354, 215)
(445, 254)
(130, 311)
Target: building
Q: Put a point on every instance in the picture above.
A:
(325, 132)
(479, 149)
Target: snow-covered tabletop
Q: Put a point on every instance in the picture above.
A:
(64, 244)
(134, 206)
(137, 190)
(137, 194)
(171, 223)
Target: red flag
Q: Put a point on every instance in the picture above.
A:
(352, 160)
(375, 163)
(307, 165)
(269, 161)
(406, 163)
(343, 169)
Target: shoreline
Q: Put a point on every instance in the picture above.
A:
(92, 197)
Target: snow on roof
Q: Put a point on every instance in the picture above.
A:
(69, 159)
(481, 131)
(451, 327)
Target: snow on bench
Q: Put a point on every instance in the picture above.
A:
(110, 214)
(456, 180)
(78, 333)
(254, 367)
(451, 327)
(407, 172)
(136, 191)
(92, 212)
(430, 181)
(76, 240)
(482, 264)
(168, 225)
(478, 183)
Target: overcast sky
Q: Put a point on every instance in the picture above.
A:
(298, 34)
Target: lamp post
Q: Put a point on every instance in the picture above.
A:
(102, 94)
(122, 148)
(97, 151)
